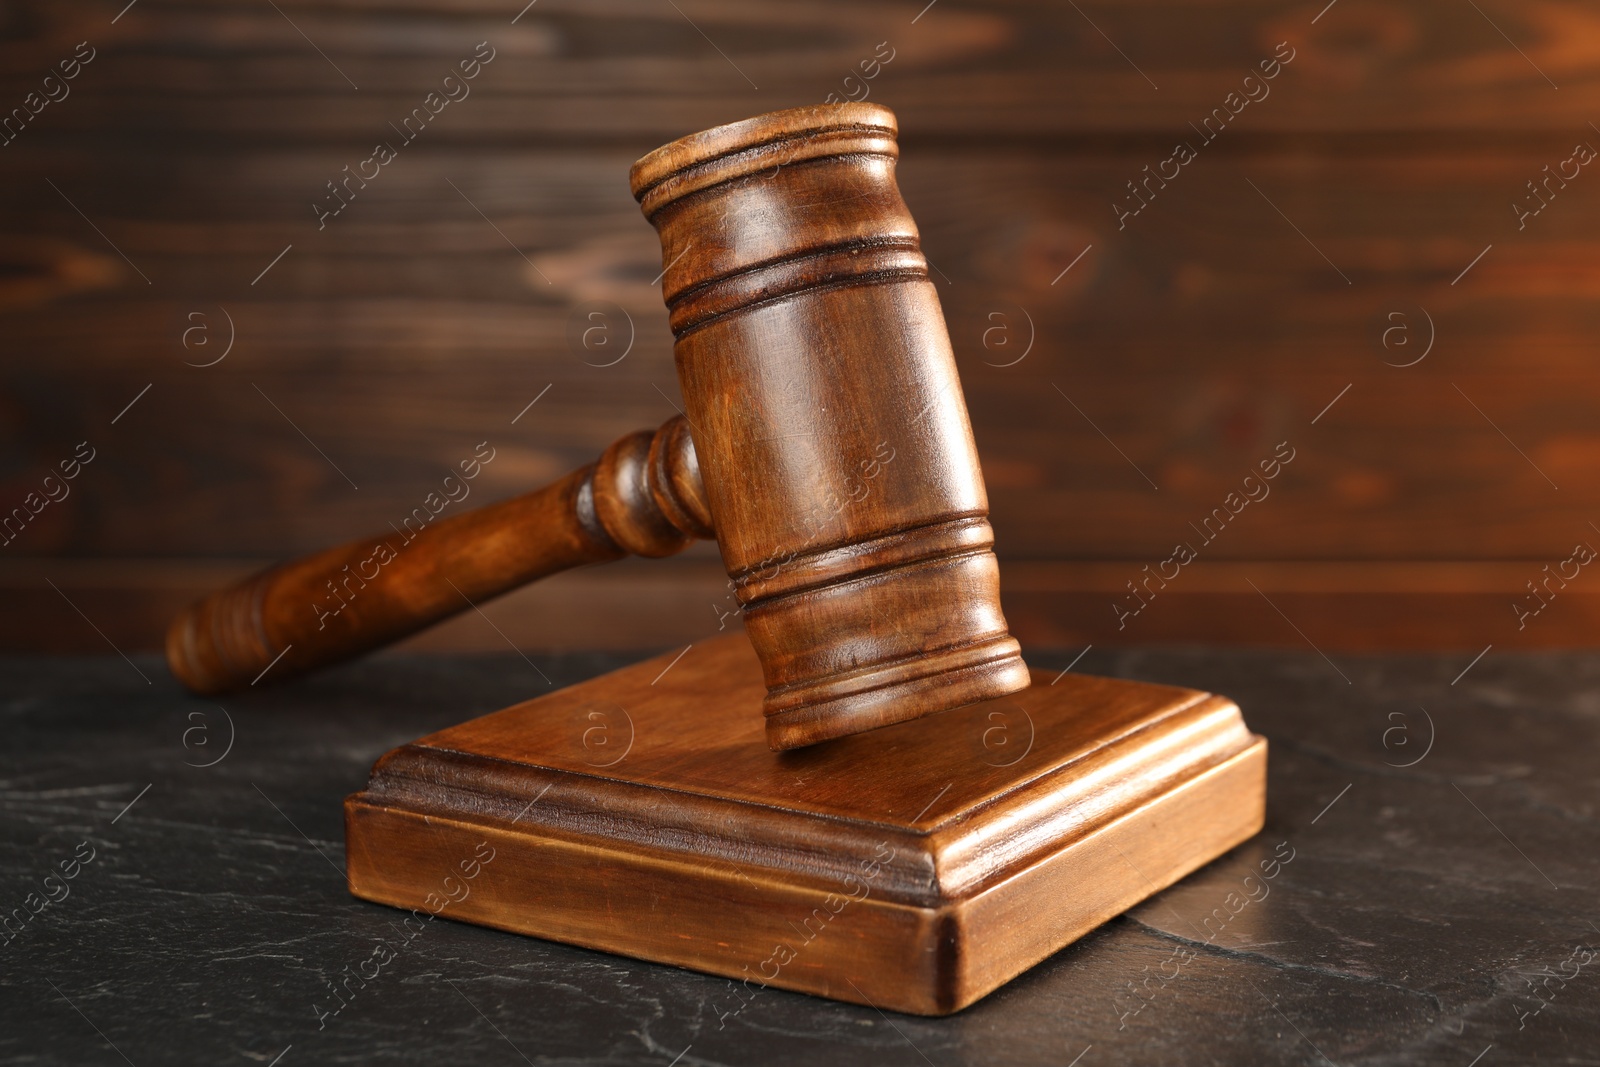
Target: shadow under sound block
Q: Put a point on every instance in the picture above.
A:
(916, 867)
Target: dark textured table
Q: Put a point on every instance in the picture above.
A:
(1442, 912)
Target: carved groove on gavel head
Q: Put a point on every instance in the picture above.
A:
(839, 467)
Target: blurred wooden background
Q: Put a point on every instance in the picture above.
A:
(141, 213)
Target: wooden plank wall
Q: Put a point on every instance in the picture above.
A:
(1340, 266)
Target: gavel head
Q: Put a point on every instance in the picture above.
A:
(828, 421)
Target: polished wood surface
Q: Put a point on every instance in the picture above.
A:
(840, 473)
(1332, 914)
(915, 868)
(645, 605)
(1196, 339)
(818, 379)
(643, 496)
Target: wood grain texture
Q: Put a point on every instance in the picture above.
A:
(632, 68)
(645, 605)
(1203, 333)
(1236, 334)
(642, 813)
(813, 356)
(643, 497)
(208, 925)
(837, 456)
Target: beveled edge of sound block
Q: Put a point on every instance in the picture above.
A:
(811, 871)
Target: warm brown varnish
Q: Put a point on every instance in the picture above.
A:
(838, 461)
(831, 454)
(643, 496)
(914, 868)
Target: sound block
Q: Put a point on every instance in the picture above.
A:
(914, 868)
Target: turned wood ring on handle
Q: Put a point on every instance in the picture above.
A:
(643, 497)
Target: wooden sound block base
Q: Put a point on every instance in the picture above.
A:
(913, 868)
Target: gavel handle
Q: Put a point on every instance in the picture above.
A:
(644, 497)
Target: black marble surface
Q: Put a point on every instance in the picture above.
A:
(1442, 913)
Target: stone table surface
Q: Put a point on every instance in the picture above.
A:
(1434, 898)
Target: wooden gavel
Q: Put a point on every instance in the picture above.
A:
(826, 447)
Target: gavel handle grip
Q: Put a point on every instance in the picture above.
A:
(644, 497)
